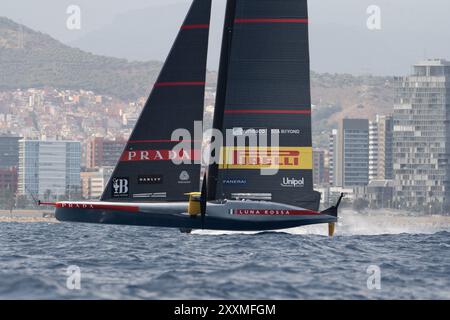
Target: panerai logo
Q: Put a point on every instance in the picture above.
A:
(234, 181)
(293, 183)
(120, 187)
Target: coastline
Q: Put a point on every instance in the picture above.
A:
(27, 216)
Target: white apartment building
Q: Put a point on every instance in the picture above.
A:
(49, 170)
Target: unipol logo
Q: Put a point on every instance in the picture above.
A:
(374, 20)
(120, 187)
(293, 183)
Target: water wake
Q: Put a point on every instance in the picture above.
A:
(370, 223)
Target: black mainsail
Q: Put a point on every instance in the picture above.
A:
(145, 171)
(264, 87)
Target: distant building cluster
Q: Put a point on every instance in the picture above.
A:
(62, 144)
(9, 155)
(401, 160)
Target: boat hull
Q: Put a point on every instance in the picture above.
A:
(219, 216)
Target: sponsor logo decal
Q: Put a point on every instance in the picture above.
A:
(263, 131)
(234, 181)
(120, 187)
(285, 131)
(77, 205)
(150, 195)
(271, 212)
(160, 155)
(248, 131)
(266, 157)
(293, 183)
(151, 179)
(184, 177)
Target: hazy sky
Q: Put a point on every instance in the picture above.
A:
(340, 39)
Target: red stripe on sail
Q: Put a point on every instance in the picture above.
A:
(272, 20)
(180, 83)
(194, 26)
(250, 111)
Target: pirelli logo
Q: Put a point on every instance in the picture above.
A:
(287, 158)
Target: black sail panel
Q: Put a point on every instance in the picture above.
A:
(264, 87)
(146, 171)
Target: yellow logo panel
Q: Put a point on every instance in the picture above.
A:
(266, 158)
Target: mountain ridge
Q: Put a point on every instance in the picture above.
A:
(31, 59)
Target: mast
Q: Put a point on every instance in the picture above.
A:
(221, 89)
(264, 86)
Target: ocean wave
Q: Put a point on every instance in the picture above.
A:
(120, 262)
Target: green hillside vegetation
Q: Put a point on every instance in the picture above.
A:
(33, 59)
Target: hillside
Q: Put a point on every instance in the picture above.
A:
(351, 96)
(33, 59)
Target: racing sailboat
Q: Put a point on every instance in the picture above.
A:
(263, 88)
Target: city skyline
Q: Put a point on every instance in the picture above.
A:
(360, 152)
(336, 161)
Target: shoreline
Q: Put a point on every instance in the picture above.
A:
(27, 219)
(27, 216)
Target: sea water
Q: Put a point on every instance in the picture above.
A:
(371, 257)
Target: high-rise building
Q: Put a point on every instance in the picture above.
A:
(9, 151)
(422, 137)
(380, 148)
(9, 162)
(49, 169)
(373, 150)
(8, 180)
(103, 153)
(332, 151)
(351, 153)
(319, 166)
